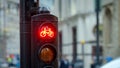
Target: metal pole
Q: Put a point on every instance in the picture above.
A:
(25, 60)
(97, 34)
(83, 54)
(25, 31)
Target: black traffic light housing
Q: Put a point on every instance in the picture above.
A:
(44, 41)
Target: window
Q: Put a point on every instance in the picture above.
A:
(13, 8)
(60, 8)
(109, 23)
(73, 7)
(94, 53)
(60, 42)
(74, 33)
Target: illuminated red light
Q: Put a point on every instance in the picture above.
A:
(47, 31)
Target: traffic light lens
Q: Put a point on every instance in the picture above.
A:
(47, 31)
(47, 54)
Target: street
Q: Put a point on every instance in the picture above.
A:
(59, 33)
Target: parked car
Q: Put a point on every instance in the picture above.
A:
(112, 64)
(3, 63)
(78, 64)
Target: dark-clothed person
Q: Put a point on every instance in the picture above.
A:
(64, 63)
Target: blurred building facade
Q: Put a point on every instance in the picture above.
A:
(111, 34)
(2, 35)
(77, 22)
(9, 26)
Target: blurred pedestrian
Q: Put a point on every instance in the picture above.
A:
(18, 63)
(108, 59)
(64, 63)
(93, 65)
(10, 61)
(15, 61)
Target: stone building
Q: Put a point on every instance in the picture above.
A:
(77, 20)
(111, 31)
(9, 26)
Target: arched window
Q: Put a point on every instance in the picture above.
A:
(109, 27)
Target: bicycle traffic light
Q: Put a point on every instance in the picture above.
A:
(44, 41)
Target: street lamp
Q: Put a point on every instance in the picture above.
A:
(82, 42)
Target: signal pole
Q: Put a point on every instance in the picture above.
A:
(97, 34)
(25, 32)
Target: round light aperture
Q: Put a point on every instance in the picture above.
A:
(47, 54)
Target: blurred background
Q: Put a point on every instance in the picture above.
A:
(77, 30)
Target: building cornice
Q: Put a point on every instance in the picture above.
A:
(16, 1)
(70, 18)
